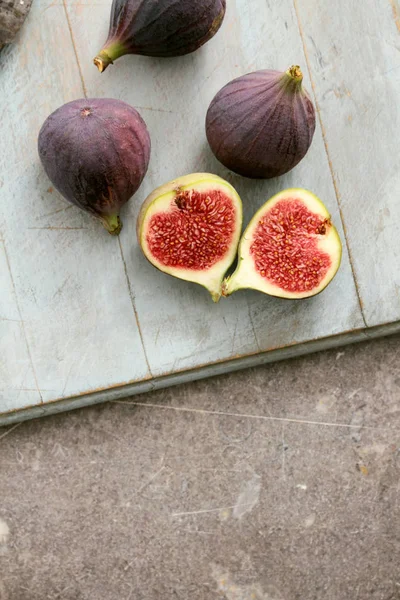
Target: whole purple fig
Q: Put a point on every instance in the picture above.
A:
(159, 28)
(261, 124)
(96, 152)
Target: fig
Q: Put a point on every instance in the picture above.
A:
(261, 125)
(190, 228)
(159, 28)
(96, 152)
(12, 16)
(290, 248)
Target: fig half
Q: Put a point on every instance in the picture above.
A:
(261, 125)
(159, 28)
(96, 152)
(190, 228)
(290, 248)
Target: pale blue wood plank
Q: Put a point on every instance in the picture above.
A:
(80, 332)
(354, 58)
(181, 328)
(18, 387)
(73, 328)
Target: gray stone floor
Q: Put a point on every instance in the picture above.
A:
(276, 483)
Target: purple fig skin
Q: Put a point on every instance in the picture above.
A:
(96, 152)
(262, 124)
(161, 28)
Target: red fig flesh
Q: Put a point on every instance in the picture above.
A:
(159, 28)
(96, 152)
(190, 228)
(290, 248)
(261, 125)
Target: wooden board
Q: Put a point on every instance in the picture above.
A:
(83, 316)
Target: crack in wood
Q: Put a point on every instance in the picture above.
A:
(51, 228)
(75, 50)
(132, 297)
(395, 13)
(22, 321)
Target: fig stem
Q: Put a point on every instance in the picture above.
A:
(107, 55)
(102, 60)
(292, 79)
(226, 291)
(215, 296)
(295, 72)
(112, 223)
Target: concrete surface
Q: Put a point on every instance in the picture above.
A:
(277, 483)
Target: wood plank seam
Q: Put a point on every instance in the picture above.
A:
(132, 298)
(335, 185)
(75, 50)
(395, 13)
(22, 322)
(50, 228)
(254, 330)
(269, 325)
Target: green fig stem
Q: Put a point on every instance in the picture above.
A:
(107, 55)
(112, 223)
(292, 79)
(102, 60)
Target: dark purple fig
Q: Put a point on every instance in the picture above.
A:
(159, 28)
(261, 124)
(96, 152)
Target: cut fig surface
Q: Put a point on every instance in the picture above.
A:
(190, 228)
(290, 248)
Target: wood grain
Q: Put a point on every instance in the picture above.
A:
(84, 312)
(64, 271)
(354, 57)
(18, 386)
(183, 330)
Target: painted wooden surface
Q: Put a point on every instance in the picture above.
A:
(66, 314)
(354, 57)
(81, 311)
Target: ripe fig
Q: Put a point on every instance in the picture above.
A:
(290, 249)
(261, 125)
(159, 28)
(96, 152)
(190, 228)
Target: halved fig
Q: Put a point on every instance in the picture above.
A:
(290, 248)
(190, 228)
